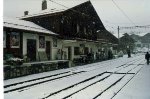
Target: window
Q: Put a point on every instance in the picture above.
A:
(54, 42)
(76, 51)
(14, 40)
(138, 45)
(84, 30)
(86, 50)
(78, 28)
(41, 42)
(82, 46)
(81, 50)
(4, 39)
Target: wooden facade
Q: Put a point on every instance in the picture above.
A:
(80, 22)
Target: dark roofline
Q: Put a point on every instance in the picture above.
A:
(62, 12)
(57, 13)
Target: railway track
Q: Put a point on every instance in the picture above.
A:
(101, 90)
(26, 81)
(37, 83)
(96, 78)
(98, 95)
(44, 77)
(58, 76)
(126, 83)
(62, 92)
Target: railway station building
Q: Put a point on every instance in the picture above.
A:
(79, 27)
(56, 35)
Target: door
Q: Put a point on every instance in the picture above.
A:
(31, 49)
(48, 49)
(69, 53)
(86, 50)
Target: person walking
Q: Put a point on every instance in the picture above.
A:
(129, 53)
(110, 54)
(147, 56)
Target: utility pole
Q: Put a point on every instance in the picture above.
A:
(118, 32)
(118, 38)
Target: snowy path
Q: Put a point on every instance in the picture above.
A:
(79, 82)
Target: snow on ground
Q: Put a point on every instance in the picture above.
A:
(29, 77)
(91, 70)
(138, 88)
(109, 94)
(78, 87)
(115, 89)
(94, 90)
(73, 69)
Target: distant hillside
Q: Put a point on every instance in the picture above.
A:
(146, 38)
(143, 39)
(136, 37)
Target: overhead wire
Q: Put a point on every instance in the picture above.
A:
(123, 27)
(123, 12)
(58, 4)
(132, 27)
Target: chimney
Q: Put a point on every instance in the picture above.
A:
(44, 4)
(26, 13)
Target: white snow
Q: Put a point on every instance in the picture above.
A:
(24, 25)
(78, 87)
(29, 77)
(94, 90)
(55, 9)
(89, 91)
(108, 94)
(138, 88)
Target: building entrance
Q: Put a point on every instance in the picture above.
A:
(48, 49)
(31, 49)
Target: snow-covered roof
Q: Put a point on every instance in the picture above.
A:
(25, 25)
(56, 9)
(44, 12)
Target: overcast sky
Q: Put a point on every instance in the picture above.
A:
(138, 11)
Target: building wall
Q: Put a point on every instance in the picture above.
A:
(61, 45)
(89, 45)
(53, 50)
